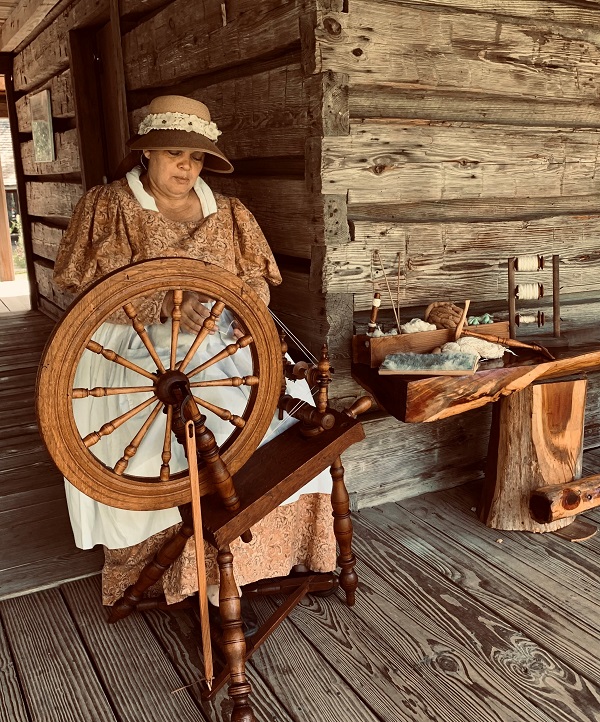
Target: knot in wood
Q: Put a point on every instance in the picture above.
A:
(357, 52)
(466, 163)
(332, 26)
(379, 169)
(571, 499)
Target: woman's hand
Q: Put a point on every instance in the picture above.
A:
(193, 312)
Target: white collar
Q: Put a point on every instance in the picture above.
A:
(204, 193)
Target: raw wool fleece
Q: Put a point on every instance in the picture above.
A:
(454, 361)
(469, 344)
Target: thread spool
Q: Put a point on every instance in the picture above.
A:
(529, 291)
(521, 319)
(529, 263)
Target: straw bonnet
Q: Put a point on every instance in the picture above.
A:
(175, 122)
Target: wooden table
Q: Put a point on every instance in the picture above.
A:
(537, 426)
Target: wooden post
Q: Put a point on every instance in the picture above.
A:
(536, 440)
(7, 269)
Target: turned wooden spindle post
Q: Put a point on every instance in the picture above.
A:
(323, 380)
(233, 643)
(342, 528)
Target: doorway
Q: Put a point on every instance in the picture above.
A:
(14, 282)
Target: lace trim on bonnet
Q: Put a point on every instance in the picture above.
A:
(179, 121)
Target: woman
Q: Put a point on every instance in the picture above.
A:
(164, 208)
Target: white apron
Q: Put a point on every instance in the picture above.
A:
(96, 523)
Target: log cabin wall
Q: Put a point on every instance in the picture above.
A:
(445, 135)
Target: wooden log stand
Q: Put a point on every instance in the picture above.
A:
(536, 440)
(535, 450)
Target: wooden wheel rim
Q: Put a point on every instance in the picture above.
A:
(65, 347)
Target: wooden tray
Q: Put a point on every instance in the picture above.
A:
(372, 350)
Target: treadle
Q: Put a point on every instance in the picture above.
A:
(274, 472)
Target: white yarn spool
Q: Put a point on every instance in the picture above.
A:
(376, 302)
(523, 318)
(529, 263)
(529, 291)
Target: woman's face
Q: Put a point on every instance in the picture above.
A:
(174, 172)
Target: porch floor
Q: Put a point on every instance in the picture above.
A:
(453, 621)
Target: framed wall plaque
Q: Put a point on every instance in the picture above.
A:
(41, 127)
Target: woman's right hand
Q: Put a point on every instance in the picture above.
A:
(193, 312)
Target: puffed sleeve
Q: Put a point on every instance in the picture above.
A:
(255, 263)
(94, 244)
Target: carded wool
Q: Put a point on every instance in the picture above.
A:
(453, 361)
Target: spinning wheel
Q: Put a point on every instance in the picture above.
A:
(174, 373)
(158, 372)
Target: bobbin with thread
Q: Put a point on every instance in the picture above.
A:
(529, 291)
(372, 325)
(532, 263)
(522, 319)
(529, 263)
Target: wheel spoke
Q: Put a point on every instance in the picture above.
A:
(143, 334)
(229, 381)
(165, 471)
(110, 426)
(176, 322)
(227, 351)
(115, 358)
(224, 414)
(100, 391)
(207, 327)
(130, 450)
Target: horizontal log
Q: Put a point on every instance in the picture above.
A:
(45, 240)
(66, 152)
(136, 8)
(180, 42)
(49, 309)
(47, 289)
(467, 50)
(264, 114)
(22, 21)
(61, 97)
(412, 100)
(415, 459)
(430, 161)
(560, 501)
(52, 198)
(472, 209)
(555, 11)
(313, 318)
(47, 55)
(288, 224)
(423, 262)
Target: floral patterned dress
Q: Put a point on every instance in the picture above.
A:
(111, 228)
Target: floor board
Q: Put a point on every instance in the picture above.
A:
(134, 693)
(453, 622)
(36, 543)
(55, 672)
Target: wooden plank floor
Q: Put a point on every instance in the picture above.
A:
(36, 544)
(453, 622)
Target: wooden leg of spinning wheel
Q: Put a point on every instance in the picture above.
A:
(342, 527)
(152, 572)
(233, 642)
